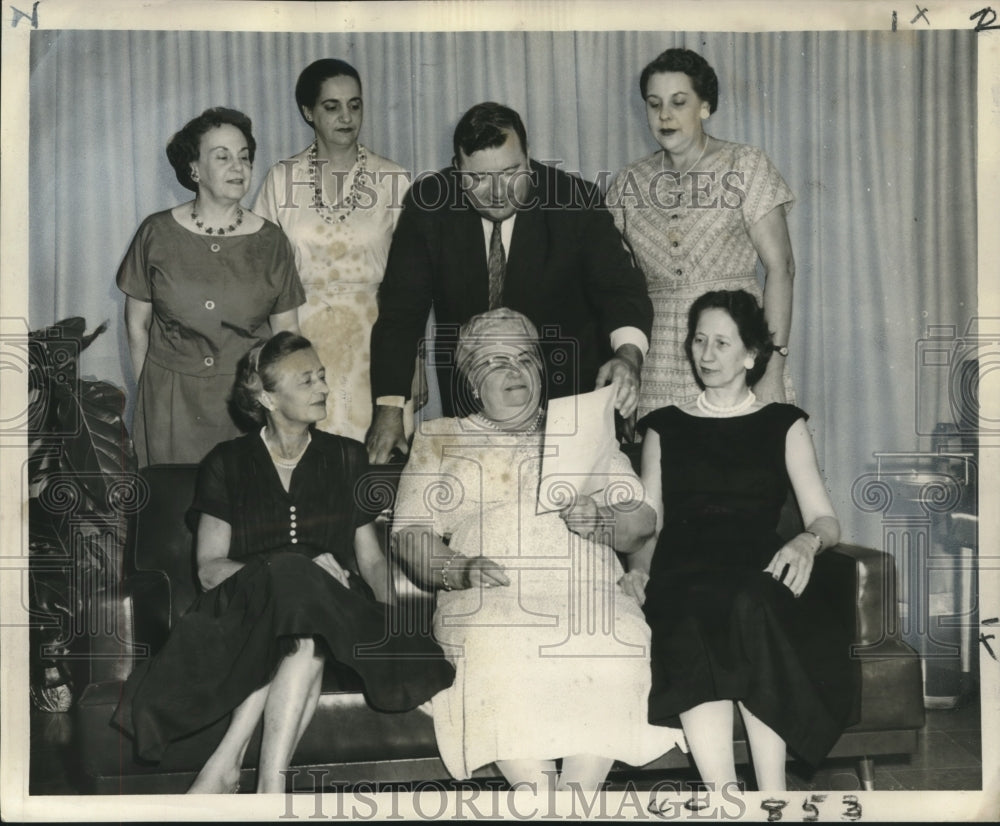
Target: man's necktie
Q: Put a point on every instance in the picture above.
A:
(497, 267)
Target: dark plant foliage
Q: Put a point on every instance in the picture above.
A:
(80, 460)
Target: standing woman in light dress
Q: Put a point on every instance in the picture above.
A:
(338, 203)
(697, 215)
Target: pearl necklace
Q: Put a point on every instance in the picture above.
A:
(717, 412)
(328, 212)
(280, 460)
(219, 230)
(484, 420)
(696, 161)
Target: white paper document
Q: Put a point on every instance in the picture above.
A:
(579, 445)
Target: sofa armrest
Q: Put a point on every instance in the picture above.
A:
(133, 623)
(874, 589)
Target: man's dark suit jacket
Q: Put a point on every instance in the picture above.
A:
(567, 271)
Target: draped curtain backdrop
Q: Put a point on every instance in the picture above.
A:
(874, 132)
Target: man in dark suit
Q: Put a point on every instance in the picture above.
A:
(497, 229)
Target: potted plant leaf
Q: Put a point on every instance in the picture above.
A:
(81, 466)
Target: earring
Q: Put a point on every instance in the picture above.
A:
(194, 176)
(748, 363)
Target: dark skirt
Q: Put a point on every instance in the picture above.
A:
(232, 639)
(735, 633)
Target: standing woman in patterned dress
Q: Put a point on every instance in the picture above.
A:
(338, 203)
(697, 215)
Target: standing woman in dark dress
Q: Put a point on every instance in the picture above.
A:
(736, 614)
(204, 282)
(294, 576)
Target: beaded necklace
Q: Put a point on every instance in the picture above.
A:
(217, 230)
(492, 425)
(328, 212)
(276, 456)
(719, 412)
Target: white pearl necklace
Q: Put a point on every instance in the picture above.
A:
(280, 460)
(486, 421)
(717, 412)
(697, 160)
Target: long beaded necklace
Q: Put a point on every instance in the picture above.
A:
(719, 412)
(328, 212)
(217, 230)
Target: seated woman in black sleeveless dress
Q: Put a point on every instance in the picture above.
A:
(735, 613)
(294, 576)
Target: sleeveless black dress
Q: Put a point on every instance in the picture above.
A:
(232, 638)
(722, 628)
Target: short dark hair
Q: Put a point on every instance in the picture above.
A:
(310, 82)
(704, 81)
(258, 371)
(483, 127)
(185, 146)
(748, 316)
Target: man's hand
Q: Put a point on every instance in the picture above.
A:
(623, 372)
(386, 434)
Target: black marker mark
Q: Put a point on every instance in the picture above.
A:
(773, 808)
(853, 811)
(984, 638)
(18, 14)
(894, 21)
(991, 621)
(921, 13)
(811, 810)
(985, 25)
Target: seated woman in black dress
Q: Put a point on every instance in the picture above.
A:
(294, 576)
(736, 614)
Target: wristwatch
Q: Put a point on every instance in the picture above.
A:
(781, 351)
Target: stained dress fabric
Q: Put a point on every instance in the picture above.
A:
(212, 298)
(722, 628)
(556, 663)
(341, 264)
(232, 638)
(690, 235)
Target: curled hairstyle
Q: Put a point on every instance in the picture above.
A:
(704, 81)
(310, 82)
(748, 316)
(184, 148)
(258, 371)
(483, 127)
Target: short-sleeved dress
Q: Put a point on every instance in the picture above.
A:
(722, 628)
(341, 263)
(690, 234)
(556, 663)
(230, 641)
(212, 297)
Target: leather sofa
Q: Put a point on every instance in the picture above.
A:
(347, 742)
